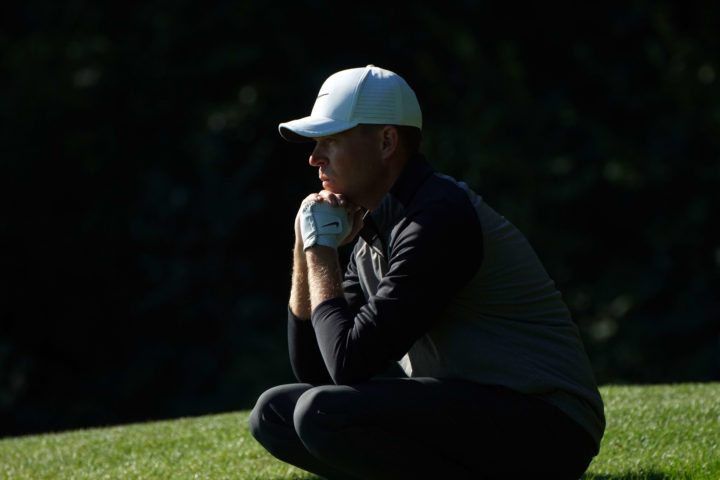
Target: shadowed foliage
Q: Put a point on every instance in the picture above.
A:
(148, 201)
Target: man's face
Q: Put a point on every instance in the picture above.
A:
(349, 163)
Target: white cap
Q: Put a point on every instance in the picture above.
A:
(351, 97)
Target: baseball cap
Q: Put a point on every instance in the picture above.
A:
(354, 96)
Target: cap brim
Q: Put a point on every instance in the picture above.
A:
(305, 129)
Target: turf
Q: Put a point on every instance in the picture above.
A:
(660, 432)
(654, 432)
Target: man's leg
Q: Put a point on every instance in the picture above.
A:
(430, 428)
(375, 431)
(271, 423)
(418, 428)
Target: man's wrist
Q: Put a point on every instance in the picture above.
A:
(321, 256)
(320, 240)
(319, 249)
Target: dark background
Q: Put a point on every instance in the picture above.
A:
(147, 200)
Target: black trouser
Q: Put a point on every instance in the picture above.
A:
(409, 428)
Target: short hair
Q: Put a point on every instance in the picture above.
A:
(410, 137)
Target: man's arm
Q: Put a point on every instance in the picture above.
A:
(326, 261)
(305, 357)
(299, 291)
(324, 276)
(424, 272)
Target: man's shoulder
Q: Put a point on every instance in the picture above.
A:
(442, 195)
(432, 199)
(439, 208)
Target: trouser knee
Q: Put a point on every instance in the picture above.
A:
(256, 418)
(315, 423)
(266, 421)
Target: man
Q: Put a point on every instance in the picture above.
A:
(498, 383)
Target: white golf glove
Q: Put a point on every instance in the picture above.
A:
(323, 224)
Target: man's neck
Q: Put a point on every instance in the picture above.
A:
(394, 171)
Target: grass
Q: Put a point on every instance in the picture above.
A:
(660, 432)
(654, 432)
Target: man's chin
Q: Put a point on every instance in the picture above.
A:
(337, 191)
(329, 186)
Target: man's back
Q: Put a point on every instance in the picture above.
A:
(507, 326)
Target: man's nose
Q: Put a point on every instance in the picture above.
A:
(317, 158)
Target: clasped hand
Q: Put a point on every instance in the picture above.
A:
(327, 219)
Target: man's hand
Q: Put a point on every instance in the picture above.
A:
(323, 224)
(322, 221)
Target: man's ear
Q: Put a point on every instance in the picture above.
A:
(390, 141)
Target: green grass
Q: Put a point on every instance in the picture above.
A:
(660, 432)
(654, 432)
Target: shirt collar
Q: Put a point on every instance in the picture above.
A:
(378, 221)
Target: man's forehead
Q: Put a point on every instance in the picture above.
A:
(361, 130)
(344, 133)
